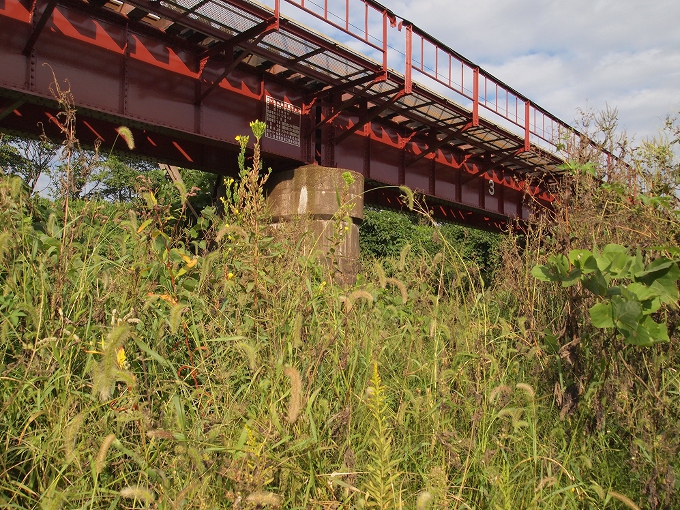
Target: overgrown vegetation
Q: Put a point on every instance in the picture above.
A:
(147, 361)
(386, 233)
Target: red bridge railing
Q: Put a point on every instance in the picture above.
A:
(371, 23)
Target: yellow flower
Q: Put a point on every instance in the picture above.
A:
(230, 276)
(121, 358)
(164, 297)
(190, 262)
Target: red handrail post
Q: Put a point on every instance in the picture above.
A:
(527, 126)
(385, 26)
(475, 96)
(408, 84)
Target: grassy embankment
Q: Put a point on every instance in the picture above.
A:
(146, 363)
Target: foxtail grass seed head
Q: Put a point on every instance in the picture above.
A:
(295, 394)
(624, 499)
(402, 288)
(498, 390)
(5, 244)
(71, 433)
(437, 259)
(143, 494)
(423, 501)
(160, 434)
(546, 481)
(527, 388)
(107, 371)
(353, 297)
(433, 327)
(176, 317)
(408, 195)
(265, 499)
(195, 455)
(52, 228)
(100, 461)
(125, 133)
(382, 278)
(15, 187)
(402, 256)
(250, 353)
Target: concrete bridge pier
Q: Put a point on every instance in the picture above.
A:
(312, 191)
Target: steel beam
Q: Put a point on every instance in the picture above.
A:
(44, 17)
(125, 71)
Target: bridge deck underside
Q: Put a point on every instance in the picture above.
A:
(189, 78)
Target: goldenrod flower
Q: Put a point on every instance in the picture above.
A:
(258, 128)
(242, 140)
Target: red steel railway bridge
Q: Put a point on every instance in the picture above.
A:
(340, 83)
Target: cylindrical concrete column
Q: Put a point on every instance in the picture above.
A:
(313, 191)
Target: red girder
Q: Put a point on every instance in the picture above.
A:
(123, 70)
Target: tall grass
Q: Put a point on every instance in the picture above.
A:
(139, 369)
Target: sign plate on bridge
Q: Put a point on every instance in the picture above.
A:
(283, 121)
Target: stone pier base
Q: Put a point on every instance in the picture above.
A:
(312, 191)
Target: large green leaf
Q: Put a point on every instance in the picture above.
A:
(601, 315)
(657, 331)
(656, 266)
(613, 249)
(544, 273)
(555, 270)
(582, 259)
(614, 261)
(638, 335)
(626, 314)
(572, 278)
(646, 334)
(560, 264)
(596, 283)
(661, 276)
(640, 292)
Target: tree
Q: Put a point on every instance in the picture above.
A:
(27, 158)
(117, 179)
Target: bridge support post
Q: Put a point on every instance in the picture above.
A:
(312, 191)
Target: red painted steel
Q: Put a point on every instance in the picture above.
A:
(187, 76)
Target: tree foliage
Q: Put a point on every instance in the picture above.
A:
(384, 233)
(27, 158)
